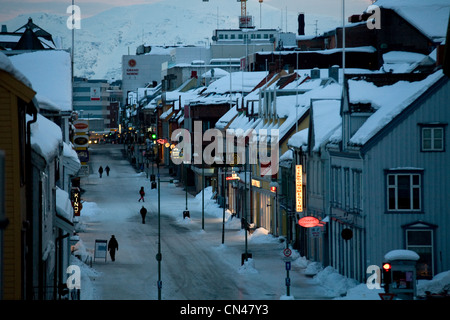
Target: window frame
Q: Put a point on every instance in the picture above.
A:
(404, 172)
(432, 127)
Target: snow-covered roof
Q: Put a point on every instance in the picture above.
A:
(282, 113)
(63, 204)
(299, 139)
(401, 254)
(7, 65)
(241, 81)
(404, 62)
(389, 101)
(326, 119)
(46, 137)
(430, 17)
(49, 72)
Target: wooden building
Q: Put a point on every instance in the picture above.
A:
(16, 101)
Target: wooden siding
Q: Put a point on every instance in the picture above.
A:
(400, 147)
(11, 90)
(9, 142)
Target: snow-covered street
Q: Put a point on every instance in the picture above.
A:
(195, 264)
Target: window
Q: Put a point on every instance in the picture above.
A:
(404, 191)
(432, 138)
(421, 241)
(357, 190)
(336, 186)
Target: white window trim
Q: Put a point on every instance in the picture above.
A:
(412, 187)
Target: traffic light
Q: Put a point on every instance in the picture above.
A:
(153, 136)
(153, 185)
(387, 270)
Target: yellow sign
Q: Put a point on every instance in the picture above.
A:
(256, 183)
(298, 188)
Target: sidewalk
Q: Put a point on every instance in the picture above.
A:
(195, 265)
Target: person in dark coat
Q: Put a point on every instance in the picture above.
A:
(100, 171)
(142, 194)
(113, 245)
(143, 214)
(107, 169)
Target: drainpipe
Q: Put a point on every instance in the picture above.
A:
(29, 203)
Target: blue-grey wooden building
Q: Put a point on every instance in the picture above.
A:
(389, 173)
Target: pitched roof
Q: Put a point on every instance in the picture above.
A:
(388, 101)
(429, 16)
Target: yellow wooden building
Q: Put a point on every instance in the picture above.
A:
(16, 100)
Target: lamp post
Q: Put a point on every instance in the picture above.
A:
(159, 255)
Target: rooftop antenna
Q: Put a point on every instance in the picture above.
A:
(260, 16)
(343, 39)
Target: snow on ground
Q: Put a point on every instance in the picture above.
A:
(326, 282)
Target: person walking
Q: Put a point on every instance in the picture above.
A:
(142, 194)
(113, 245)
(107, 169)
(100, 171)
(143, 214)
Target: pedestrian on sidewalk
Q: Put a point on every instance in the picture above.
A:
(113, 245)
(143, 214)
(100, 171)
(142, 194)
(107, 170)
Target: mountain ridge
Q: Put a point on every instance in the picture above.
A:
(105, 37)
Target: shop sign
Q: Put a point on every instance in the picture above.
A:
(298, 188)
(308, 222)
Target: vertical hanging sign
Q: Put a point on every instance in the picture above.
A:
(298, 188)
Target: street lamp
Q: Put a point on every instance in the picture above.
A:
(159, 255)
(274, 188)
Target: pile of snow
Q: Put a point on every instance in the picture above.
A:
(438, 285)
(335, 284)
(80, 257)
(261, 235)
(248, 267)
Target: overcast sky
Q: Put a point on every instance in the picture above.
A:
(11, 9)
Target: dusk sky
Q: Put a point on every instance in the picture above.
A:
(11, 9)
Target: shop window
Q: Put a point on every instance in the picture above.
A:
(421, 242)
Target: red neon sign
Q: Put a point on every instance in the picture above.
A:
(308, 222)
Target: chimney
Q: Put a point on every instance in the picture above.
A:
(4, 28)
(301, 24)
(315, 73)
(333, 72)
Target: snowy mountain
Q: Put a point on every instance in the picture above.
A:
(105, 37)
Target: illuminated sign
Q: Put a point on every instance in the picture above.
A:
(308, 222)
(256, 183)
(298, 188)
(234, 176)
(161, 141)
(76, 202)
